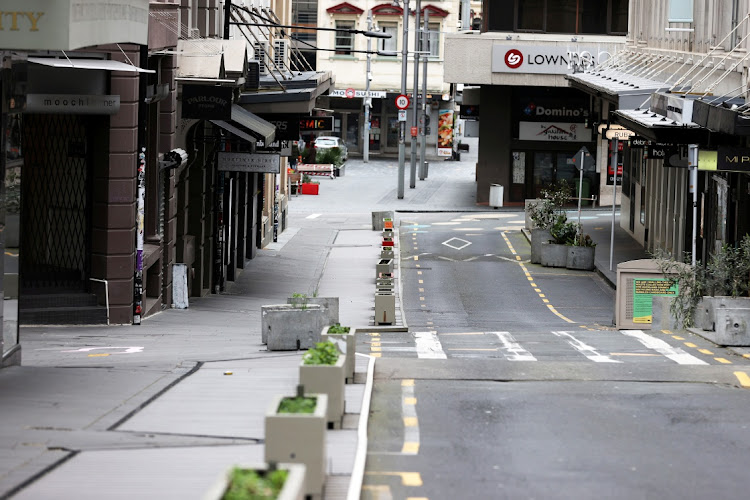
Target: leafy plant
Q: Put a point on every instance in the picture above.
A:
(338, 329)
(582, 240)
(542, 213)
(559, 193)
(728, 270)
(324, 353)
(298, 404)
(562, 231)
(329, 155)
(300, 299)
(690, 283)
(249, 484)
(306, 179)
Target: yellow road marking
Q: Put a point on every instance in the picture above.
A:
(407, 382)
(374, 344)
(723, 361)
(422, 298)
(678, 338)
(410, 448)
(410, 422)
(518, 257)
(537, 290)
(380, 490)
(690, 344)
(668, 332)
(743, 378)
(421, 282)
(376, 349)
(407, 478)
(419, 265)
(542, 295)
(705, 351)
(534, 285)
(421, 290)
(419, 273)
(99, 355)
(545, 301)
(376, 354)
(416, 257)
(374, 334)
(410, 401)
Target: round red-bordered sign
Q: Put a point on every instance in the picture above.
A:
(349, 93)
(402, 101)
(513, 58)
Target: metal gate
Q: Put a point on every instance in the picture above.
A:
(55, 203)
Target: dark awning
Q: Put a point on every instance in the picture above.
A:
(248, 126)
(659, 128)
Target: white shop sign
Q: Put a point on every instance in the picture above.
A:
(546, 59)
(250, 162)
(554, 132)
(378, 94)
(73, 104)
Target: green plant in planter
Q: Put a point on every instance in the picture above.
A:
(248, 484)
(300, 298)
(562, 231)
(337, 328)
(559, 194)
(329, 155)
(542, 213)
(299, 404)
(324, 353)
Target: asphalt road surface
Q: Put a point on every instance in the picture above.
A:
(513, 383)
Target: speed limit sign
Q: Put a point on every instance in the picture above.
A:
(402, 101)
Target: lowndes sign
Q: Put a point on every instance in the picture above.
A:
(546, 59)
(71, 24)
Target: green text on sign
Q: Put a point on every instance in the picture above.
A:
(643, 290)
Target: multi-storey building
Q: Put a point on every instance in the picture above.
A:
(345, 54)
(133, 148)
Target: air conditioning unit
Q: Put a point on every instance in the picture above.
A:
(281, 54)
(260, 49)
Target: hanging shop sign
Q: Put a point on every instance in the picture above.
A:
(445, 132)
(73, 104)
(637, 142)
(249, 162)
(553, 131)
(206, 102)
(316, 124)
(72, 24)
(349, 93)
(287, 125)
(545, 59)
(614, 131)
(725, 159)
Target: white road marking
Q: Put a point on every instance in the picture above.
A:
(128, 350)
(428, 346)
(585, 349)
(313, 216)
(674, 353)
(449, 241)
(511, 349)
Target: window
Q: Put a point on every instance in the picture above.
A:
(344, 39)
(434, 39)
(559, 16)
(389, 44)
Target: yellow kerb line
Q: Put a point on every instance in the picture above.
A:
(743, 378)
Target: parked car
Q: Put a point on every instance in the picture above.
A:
(326, 142)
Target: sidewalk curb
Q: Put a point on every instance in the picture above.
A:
(360, 456)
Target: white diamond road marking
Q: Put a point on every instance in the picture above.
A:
(428, 346)
(449, 245)
(674, 353)
(512, 349)
(585, 349)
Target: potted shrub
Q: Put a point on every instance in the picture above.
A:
(272, 481)
(581, 252)
(295, 432)
(345, 339)
(331, 156)
(545, 213)
(308, 186)
(322, 371)
(555, 252)
(714, 297)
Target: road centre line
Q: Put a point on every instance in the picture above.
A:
(674, 353)
(409, 415)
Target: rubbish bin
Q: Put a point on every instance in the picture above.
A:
(585, 191)
(496, 195)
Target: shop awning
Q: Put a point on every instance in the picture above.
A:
(100, 64)
(659, 128)
(626, 90)
(248, 126)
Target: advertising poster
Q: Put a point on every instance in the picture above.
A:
(445, 133)
(610, 168)
(643, 290)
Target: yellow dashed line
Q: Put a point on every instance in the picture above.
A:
(690, 344)
(421, 282)
(407, 478)
(537, 290)
(668, 332)
(407, 382)
(541, 294)
(743, 378)
(375, 344)
(723, 361)
(376, 354)
(705, 351)
(99, 355)
(533, 284)
(677, 338)
(410, 401)
(416, 257)
(421, 290)
(545, 300)
(419, 273)
(410, 422)
(410, 448)
(422, 298)
(376, 349)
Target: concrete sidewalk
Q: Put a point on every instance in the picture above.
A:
(149, 412)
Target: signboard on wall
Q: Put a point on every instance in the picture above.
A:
(644, 289)
(249, 162)
(445, 133)
(546, 59)
(287, 125)
(377, 94)
(316, 124)
(553, 131)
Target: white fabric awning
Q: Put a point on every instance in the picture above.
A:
(101, 64)
(627, 90)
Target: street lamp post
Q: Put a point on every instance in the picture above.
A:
(402, 124)
(366, 145)
(415, 102)
(423, 129)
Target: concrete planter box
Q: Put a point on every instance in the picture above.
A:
(331, 304)
(299, 438)
(724, 321)
(538, 236)
(328, 380)
(294, 486)
(385, 308)
(384, 266)
(386, 253)
(554, 255)
(288, 328)
(580, 258)
(347, 344)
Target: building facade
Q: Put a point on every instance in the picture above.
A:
(531, 123)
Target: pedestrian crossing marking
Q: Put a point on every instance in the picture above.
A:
(674, 353)
(512, 349)
(585, 349)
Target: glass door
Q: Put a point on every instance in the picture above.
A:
(391, 139)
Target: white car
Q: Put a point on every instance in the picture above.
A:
(326, 142)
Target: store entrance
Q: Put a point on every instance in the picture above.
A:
(534, 171)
